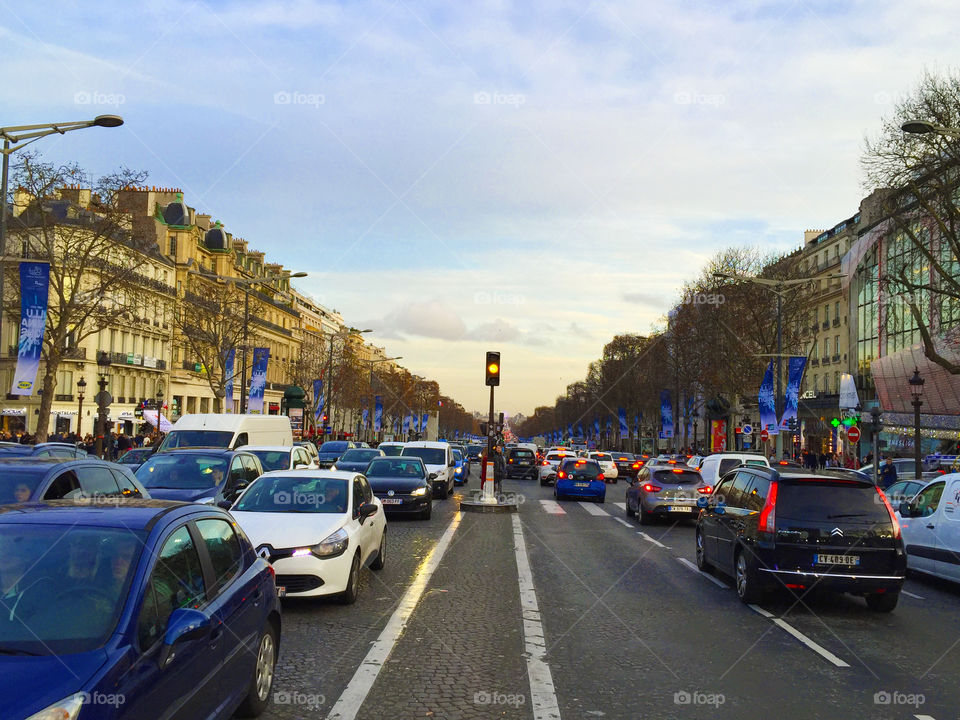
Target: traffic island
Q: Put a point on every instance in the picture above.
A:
(503, 503)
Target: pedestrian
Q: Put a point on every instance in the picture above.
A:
(499, 469)
(888, 473)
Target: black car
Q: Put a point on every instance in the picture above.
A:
(773, 528)
(205, 475)
(40, 479)
(402, 484)
(135, 457)
(43, 450)
(357, 459)
(331, 451)
(628, 465)
(474, 452)
(521, 463)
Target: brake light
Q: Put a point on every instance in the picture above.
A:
(509, 461)
(768, 516)
(600, 477)
(649, 487)
(705, 490)
(893, 517)
(677, 470)
(636, 466)
(561, 474)
(544, 463)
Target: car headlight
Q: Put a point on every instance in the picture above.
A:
(332, 545)
(459, 470)
(333, 467)
(419, 491)
(66, 709)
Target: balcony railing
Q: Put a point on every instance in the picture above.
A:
(826, 324)
(836, 358)
(836, 322)
(814, 362)
(63, 398)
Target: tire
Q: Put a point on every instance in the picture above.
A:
(258, 694)
(630, 513)
(702, 563)
(427, 512)
(602, 499)
(377, 564)
(445, 493)
(350, 595)
(746, 580)
(645, 518)
(882, 602)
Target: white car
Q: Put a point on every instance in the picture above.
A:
(549, 465)
(930, 528)
(717, 465)
(438, 457)
(606, 463)
(317, 528)
(283, 457)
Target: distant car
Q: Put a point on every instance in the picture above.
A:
(717, 465)
(438, 457)
(43, 450)
(582, 478)
(356, 459)
(666, 491)
(627, 464)
(549, 465)
(906, 469)
(170, 590)
(317, 528)
(521, 463)
(475, 452)
(391, 449)
(208, 475)
(135, 457)
(461, 472)
(310, 447)
(31, 479)
(331, 451)
(282, 457)
(402, 484)
(607, 464)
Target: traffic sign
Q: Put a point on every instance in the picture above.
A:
(737, 430)
(853, 434)
(747, 429)
(103, 398)
(764, 435)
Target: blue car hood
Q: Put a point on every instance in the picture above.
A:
(352, 466)
(397, 484)
(182, 495)
(32, 683)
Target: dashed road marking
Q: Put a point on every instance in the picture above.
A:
(916, 597)
(650, 539)
(552, 507)
(593, 509)
(545, 705)
(708, 576)
(624, 522)
(622, 506)
(353, 696)
(818, 649)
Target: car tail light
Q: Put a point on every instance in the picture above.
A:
(677, 470)
(649, 487)
(705, 490)
(893, 517)
(768, 516)
(636, 466)
(510, 461)
(561, 474)
(544, 463)
(600, 477)
(795, 586)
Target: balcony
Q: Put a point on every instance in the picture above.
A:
(836, 322)
(826, 324)
(836, 358)
(814, 362)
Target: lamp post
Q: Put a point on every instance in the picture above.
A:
(923, 127)
(916, 392)
(876, 425)
(372, 363)
(103, 400)
(18, 136)
(329, 396)
(81, 388)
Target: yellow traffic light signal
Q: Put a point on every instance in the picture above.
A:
(493, 368)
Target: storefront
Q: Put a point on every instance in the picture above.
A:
(13, 420)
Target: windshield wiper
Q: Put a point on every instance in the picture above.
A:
(17, 651)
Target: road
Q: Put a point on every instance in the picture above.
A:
(617, 623)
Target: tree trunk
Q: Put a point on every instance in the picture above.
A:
(46, 399)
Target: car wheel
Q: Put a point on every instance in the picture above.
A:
(644, 517)
(602, 499)
(427, 511)
(258, 695)
(882, 602)
(377, 564)
(349, 596)
(630, 512)
(748, 587)
(702, 563)
(445, 492)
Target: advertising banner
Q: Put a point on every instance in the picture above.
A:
(34, 284)
(228, 385)
(258, 380)
(768, 412)
(377, 413)
(666, 414)
(794, 378)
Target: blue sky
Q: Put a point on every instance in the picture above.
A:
(531, 177)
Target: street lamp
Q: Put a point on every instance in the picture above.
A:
(372, 363)
(924, 127)
(103, 399)
(916, 392)
(876, 425)
(81, 387)
(16, 137)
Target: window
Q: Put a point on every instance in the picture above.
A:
(66, 485)
(127, 488)
(97, 481)
(367, 490)
(836, 382)
(756, 494)
(226, 554)
(250, 468)
(176, 582)
(173, 247)
(826, 348)
(357, 496)
(816, 383)
(836, 310)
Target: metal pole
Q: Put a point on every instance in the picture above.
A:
(329, 379)
(916, 436)
(490, 432)
(243, 350)
(778, 409)
(3, 221)
(79, 415)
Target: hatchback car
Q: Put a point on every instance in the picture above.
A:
(665, 491)
(475, 452)
(402, 484)
(356, 459)
(551, 463)
(578, 477)
(44, 450)
(770, 528)
(391, 449)
(331, 451)
(135, 457)
(208, 475)
(607, 464)
(520, 463)
(317, 528)
(41, 479)
(628, 465)
(461, 472)
(282, 457)
(158, 609)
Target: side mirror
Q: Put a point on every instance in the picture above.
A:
(432, 476)
(184, 625)
(702, 502)
(366, 510)
(720, 508)
(904, 509)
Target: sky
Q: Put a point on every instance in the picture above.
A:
(529, 177)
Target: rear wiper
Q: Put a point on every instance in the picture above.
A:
(831, 517)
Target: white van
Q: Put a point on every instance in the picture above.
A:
(438, 459)
(717, 465)
(930, 525)
(228, 431)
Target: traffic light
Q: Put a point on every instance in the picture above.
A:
(493, 368)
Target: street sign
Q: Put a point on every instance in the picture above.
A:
(737, 430)
(764, 435)
(103, 398)
(748, 430)
(853, 434)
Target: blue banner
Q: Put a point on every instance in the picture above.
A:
(768, 411)
(596, 427)
(636, 424)
(365, 418)
(424, 421)
(666, 413)
(377, 413)
(794, 378)
(318, 399)
(624, 428)
(258, 380)
(609, 427)
(34, 285)
(228, 375)
(406, 424)
(570, 431)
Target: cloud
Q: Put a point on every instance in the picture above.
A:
(657, 301)
(431, 319)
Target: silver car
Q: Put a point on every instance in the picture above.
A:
(666, 491)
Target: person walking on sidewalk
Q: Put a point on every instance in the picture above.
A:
(499, 469)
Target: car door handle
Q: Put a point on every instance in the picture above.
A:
(257, 596)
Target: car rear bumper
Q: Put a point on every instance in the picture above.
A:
(662, 507)
(840, 582)
(596, 489)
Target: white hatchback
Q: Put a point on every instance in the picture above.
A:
(606, 463)
(283, 457)
(317, 528)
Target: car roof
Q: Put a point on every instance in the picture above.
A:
(201, 451)
(428, 444)
(127, 514)
(272, 448)
(321, 474)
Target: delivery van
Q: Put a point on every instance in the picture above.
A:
(228, 431)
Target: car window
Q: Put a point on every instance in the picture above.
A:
(756, 494)
(65, 485)
(241, 440)
(357, 496)
(126, 485)
(274, 459)
(237, 471)
(175, 582)
(250, 467)
(43, 453)
(726, 465)
(222, 543)
(927, 501)
(367, 490)
(97, 481)
(735, 496)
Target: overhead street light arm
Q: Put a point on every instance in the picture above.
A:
(20, 135)
(924, 127)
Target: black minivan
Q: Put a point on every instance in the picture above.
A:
(792, 528)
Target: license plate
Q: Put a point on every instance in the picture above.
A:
(848, 560)
(391, 501)
(581, 484)
(281, 591)
(679, 508)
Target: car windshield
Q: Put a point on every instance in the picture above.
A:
(273, 459)
(359, 455)
(676, 476)
(457, 455)
(335, 446)
(826, 502)
(189, 471)
(391, 450)
(430, 456)
(132, 457)
(62, 587)
(521, 454)
(475, 449)
(396, 467)
(286, 493)
(196, 438)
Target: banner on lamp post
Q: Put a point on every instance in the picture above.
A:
(377, 413)
(666, 413)
(258, 380)
(794, 378)
(34, 286)
(228, 386)
(768, 411)
(318, 399)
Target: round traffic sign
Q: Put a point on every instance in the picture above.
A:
(764, 435)
(853, 434)
(747, 429)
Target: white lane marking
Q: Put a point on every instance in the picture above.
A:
(624, 522)
(708, 576)
(593, 509)
(543, 696)
(650, 539)
(924, 717)
(917, 597)
(821, 651)
(622, 506)
(353, 696)
(757, 608)
(552, 507)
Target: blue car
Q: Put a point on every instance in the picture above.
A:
(331, 451)
(461, 470)
(142, 609)
(206, 475)
(578, 477)
(26, 479)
